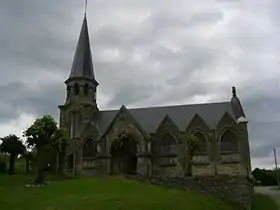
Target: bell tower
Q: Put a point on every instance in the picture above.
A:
(81, 87)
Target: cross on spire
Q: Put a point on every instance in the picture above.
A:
(234, 92)
(85, 7)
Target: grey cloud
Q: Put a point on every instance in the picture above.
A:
(17, 97)
(131, 94)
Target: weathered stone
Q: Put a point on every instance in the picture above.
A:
(229, 169)
(202, 170)
(235, 190)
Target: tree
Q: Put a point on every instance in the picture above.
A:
(265, 177)
(59, 143)
(191, 147)
(39, 135)
(13, 145)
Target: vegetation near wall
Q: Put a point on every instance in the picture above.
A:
(266, 177)
(43, 149)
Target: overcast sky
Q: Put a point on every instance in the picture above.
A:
(145, 51)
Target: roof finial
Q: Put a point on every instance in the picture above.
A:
(233, 91)
(86, 7)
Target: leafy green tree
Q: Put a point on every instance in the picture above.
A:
(191, 147)
(266, 177)
(59, 143)
(39, 135)
(13, 145)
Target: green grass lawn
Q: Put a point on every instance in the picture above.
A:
(261, 202)
(106, 193)
(99, 194)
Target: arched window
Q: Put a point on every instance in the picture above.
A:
(68, 91)
(89, 148)
(86, 89)
(73, 124)
(229, 142)
(202, 144)
(167, 142)
(76, 89)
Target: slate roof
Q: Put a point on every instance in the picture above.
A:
(82, 64)
(151, 117)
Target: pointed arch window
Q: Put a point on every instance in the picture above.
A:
(86, 89)
(68, 91)
(229, 142)
(89, 148)
(76, 89)
(72, 125)
(202, 144)
(167, 144)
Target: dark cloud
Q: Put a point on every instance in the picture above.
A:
(146, 53)
(17, 97)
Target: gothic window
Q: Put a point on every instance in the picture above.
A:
(89, 148)
(167, 143)
(229, 142)
(86, 89)
(73, 124)
(149, 147)
(202, 144)
(68, 91)
(76, 89)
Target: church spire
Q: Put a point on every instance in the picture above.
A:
(82, 66)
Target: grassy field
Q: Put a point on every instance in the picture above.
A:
(261, 202)
(98, 194)
(106, 193)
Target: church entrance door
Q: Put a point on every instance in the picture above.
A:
(123, 156)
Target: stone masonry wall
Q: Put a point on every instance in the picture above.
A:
(235, 190)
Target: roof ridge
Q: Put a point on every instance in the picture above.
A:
(172, 106)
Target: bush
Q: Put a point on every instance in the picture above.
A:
(265, 177)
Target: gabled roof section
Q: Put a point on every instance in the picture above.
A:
(150, 118)
(82, 64)
(197, 122)
(122, 114)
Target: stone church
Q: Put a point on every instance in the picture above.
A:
(148, 141)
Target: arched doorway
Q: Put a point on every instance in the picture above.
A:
(123, 155)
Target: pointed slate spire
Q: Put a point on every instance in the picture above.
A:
(82, 66)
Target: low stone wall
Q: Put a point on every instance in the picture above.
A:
(235, 189)
(232, 189)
